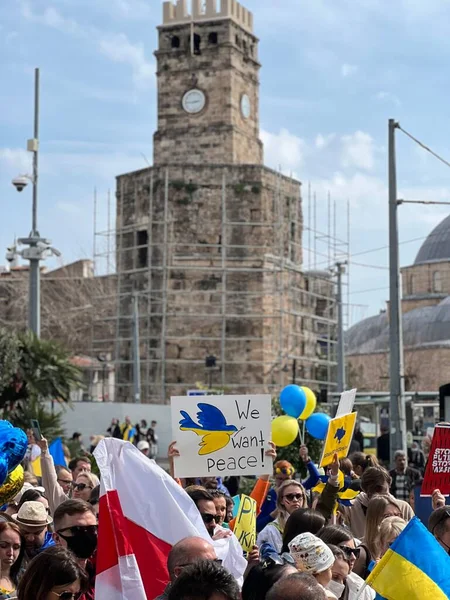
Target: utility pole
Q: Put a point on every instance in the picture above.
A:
(340, 333)
(397, 415)
(136, 350)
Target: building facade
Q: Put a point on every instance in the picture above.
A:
(210, 286)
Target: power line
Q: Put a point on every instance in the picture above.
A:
(379, 289)
(370, 266)
(424, 146)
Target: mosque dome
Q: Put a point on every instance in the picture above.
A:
(437, 245)
(422, 327)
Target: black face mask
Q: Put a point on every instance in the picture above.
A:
(82, 542)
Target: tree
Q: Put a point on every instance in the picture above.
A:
(50, 423)
(43, 371)
(9, 358)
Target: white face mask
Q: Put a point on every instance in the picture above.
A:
(336, 588)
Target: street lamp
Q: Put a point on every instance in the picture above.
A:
(38, 248)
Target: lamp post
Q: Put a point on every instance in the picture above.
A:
(38, 248)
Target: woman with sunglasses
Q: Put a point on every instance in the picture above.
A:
(291, 495)
(335, 535)
(52, 575)
(84, 485)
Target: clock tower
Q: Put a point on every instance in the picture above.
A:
(208, 85)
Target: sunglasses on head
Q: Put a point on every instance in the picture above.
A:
(68, 595)
(209, 518)
(273, 559)
(81, 486)
(350, 551)
(292, 497)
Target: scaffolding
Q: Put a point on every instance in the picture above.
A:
(223, 298)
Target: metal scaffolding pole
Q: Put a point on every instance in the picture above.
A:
(397, 414)
(340, 335)
(136, 350)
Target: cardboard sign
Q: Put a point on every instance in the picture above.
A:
(437, 472)
(346, 403)
(245, 526)
(221, 435)
(339, 438)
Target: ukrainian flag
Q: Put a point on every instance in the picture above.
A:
(415, 567)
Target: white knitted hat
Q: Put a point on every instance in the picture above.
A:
(310, 553)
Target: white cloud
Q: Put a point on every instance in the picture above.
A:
(323, 141)
(119, 49)
(358, 151)
(68, 207)
(348, 70)
(15, 161)
(388, 97)
(283, 150)
(51, 18)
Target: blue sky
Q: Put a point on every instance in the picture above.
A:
(333, 73)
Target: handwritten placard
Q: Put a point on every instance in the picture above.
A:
(221, 435)
(245, 526)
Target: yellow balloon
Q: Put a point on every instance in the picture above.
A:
(284, 430)
(12, 486)
(311, 403)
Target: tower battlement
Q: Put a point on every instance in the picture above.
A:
(178, 14)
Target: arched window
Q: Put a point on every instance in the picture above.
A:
(437, 281)
(175, 41)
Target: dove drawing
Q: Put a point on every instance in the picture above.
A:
(212, 427)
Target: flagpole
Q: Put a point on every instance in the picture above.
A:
(192, 31)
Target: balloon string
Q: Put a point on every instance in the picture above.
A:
(304, 432)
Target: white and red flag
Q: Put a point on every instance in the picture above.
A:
(143, 513)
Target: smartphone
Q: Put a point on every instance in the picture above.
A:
(36, 429)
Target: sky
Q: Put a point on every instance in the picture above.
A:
(332, 75)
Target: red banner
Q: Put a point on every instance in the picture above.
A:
(437, 473)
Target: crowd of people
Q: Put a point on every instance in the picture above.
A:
(309, 544)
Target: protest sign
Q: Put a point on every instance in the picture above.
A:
(221, 435)
(346, 403)
(437, 472)
(339, 438)
(245, 526)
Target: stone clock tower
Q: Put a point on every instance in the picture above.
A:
(208, 239)
(208, 86)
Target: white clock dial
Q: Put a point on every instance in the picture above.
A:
(246, 108)
(194, 101)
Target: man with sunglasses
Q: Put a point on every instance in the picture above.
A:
(76, 529)
(224, 541)
(187, 552)
(439, 525)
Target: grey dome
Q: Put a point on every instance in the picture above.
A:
(426, 326)
(437, 245)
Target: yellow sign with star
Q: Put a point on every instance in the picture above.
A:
(339, 438)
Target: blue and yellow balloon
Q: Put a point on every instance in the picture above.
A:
(293, 400)
(311, 403)
(13, 446)
(284, 430)
(317, 425)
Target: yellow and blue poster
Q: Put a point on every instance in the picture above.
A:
(339, 438)
(245, 526)
(220, 435)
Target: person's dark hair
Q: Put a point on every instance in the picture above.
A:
(71, 507)
(437, 522)
(203, 579)
(53, 567)
(75, 461)
(359, 459)
(260, 580)
(298, 585)
(94, 498)
(31, 495)
(374, 480)
(217, 494)
(76, 435)
(59, 468)
(302, 520)
(16, 567)
(346, 466)
(335, 534)
(337, 552)
(198, 494)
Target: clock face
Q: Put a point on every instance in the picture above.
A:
(246, 108)
(194, 101)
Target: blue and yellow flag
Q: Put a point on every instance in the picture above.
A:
(415, 567)
(339, 438)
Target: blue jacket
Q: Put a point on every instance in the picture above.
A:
(270, 503)
(48, 542)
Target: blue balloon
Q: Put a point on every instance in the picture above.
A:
(293, 400)
(13, 446)
(317, 425)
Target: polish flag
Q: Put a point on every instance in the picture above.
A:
(143, 513)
